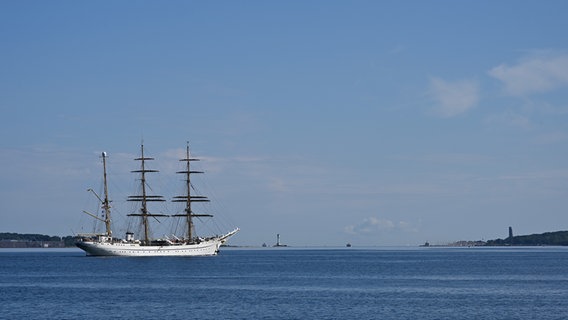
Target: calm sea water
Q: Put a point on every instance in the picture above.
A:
(349, 283)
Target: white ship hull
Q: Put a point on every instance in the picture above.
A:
(94, 248)
(208, 247)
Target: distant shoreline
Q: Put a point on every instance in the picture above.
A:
(39, 241)
(557, 238)
(27, 240)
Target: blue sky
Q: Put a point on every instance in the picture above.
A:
(369, 122)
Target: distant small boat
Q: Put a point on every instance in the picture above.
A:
(348, 245)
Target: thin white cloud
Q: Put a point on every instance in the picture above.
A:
(397, 49)
(510, 118)
(374, 225)
(453, 98)
(533, 75)
(455, 158)
(551, 138)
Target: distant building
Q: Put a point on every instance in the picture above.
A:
(510, 232)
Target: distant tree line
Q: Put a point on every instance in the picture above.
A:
(19, 237)
(558, 238)
(28, 237)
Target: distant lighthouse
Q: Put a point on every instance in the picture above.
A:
(278, 244)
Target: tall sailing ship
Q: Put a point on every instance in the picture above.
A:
(105, 244)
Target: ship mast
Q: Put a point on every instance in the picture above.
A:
(188, 198)
(144, 198)
(106, 202)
